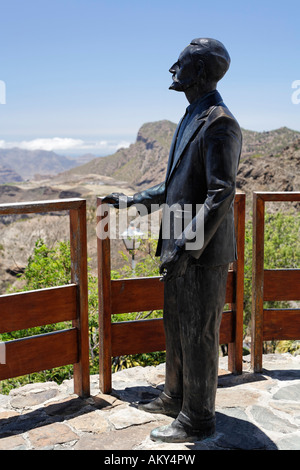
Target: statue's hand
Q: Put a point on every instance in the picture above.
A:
(118, 200)
(175, 265)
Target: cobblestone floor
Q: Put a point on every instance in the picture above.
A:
(254, 411)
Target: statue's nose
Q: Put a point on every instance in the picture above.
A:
(172, 69)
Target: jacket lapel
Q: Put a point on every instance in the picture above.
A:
(172, 148)
(199, 117)
(196, 122)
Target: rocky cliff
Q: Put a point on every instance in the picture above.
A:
(141, 164)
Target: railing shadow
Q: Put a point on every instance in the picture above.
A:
(51, 413)
(282, 374)
(235, 433)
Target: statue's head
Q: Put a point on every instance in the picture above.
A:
(202, 63)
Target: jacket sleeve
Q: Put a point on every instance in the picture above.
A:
(220, 150)
(150, 197)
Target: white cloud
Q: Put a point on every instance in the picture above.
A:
(56, 143)
(67, 145)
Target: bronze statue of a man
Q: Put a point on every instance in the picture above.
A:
(202, 168)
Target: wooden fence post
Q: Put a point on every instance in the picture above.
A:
(104, 286)
(78, 246)
(235, 350)
(257, 282)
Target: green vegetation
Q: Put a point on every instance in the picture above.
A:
(50, 266)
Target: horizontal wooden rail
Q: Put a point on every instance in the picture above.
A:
(279, 196)
(141, 294)
(135, 295)
(33, 207)
(281, 284)
(23, 310)
(41, 352)
(129, 337)
(227, 329)
(281, 324)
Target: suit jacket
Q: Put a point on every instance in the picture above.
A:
(201, 170)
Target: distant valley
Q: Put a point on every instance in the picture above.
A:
(17, 164)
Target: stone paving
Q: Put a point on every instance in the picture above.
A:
(254, 411)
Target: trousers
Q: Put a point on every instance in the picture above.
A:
(193, 309)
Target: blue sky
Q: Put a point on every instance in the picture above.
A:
(83, 75)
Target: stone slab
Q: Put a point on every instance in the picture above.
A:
(124, 417)
(93, 422)
(13, 443)
(50, 435)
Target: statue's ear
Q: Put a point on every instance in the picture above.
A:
(199, 66)
(200, 70)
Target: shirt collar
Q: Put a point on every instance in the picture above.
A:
(204, 101)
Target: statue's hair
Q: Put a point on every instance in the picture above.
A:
(213, 54)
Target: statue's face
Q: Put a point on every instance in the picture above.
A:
(183, 72)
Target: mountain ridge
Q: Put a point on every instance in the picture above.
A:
(145, 161)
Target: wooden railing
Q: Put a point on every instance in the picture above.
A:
(271, 285)
(142, 294)
(47, 306)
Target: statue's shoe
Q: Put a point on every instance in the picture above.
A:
(163, 405)
(176, 432)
